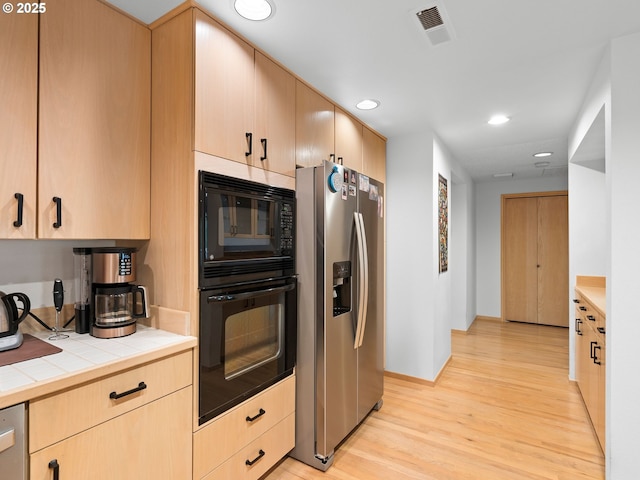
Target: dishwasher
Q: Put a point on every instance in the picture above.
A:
(13, 442)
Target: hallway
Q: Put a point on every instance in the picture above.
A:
(503, 409)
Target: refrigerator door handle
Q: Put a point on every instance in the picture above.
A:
(365, 301)
(363, 279)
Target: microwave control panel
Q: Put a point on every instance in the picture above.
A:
(286, 228)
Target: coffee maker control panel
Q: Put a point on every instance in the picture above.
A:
(125, 265)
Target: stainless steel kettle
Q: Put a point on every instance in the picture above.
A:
(10, 314)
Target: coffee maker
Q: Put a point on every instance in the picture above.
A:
(108, 303)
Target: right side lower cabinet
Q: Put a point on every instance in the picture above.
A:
(590, 348)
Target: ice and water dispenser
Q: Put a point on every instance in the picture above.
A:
(341, 288)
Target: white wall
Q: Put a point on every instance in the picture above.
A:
(419, 298)
(623, 281)
(487, 211)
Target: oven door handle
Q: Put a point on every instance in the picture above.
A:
(256, 293)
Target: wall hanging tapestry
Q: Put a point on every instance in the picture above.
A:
(443, 224)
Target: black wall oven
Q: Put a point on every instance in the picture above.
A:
(248, 297)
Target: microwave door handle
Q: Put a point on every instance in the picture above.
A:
(365, 302)
(361, 267)
(256, 293)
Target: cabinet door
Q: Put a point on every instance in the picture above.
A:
(553, 261)
(94, 124)
(275, 117)
(520, 257)
(152, 442)
(314, 127)
(18, 123)
(374, 153)
(348, 139)
(224, 92)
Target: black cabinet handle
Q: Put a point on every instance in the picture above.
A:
(249, 137)
(115, 396)
(251, 462)
(332, 157)
(20, 198)
(591, 350)
(591, 318)
(602, 330)
(58, 202)
(575, 300)
(595, 357)
(583, 308)
(578, 322)
(251, 419)
(55, 466)
(263, 141)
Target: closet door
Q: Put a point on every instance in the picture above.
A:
(535, 266)
(553, 261)
(520, 246)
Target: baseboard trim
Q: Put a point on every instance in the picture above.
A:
(418, 380)
(486, 318)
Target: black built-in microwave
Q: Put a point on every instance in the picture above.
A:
(246, 230)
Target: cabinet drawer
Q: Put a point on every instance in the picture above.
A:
(61, 415)
(260, 455)
(151, 442)
(231, 431)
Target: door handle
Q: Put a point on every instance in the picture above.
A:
(249, 137)
(58, 202)
(20, 198)
(263, 141)
(7, 439)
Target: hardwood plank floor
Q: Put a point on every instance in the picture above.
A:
(503, 409)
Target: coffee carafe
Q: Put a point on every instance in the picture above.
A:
(115, 302)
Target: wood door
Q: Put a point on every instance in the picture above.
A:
(153, 441)
(94, 125)
(224, 93)
(553, 261)
(373, 155)
(520, 277)
(314, 127)
(535, 253)
(348, 140)
(18, 123)
(275, 117)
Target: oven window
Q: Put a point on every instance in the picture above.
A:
(252, 338)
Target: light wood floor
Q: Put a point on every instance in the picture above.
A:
(503, 409)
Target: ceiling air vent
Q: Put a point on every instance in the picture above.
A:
(430, 18)
(435, 23)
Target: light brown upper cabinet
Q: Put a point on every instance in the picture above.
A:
(373, 155)
(244, 102)
(535, 253)
(348, 140)
(18, 125)
(315, 119)
(87, 116)
(94, 123)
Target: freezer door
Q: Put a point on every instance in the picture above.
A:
(336, 412)
(371, 351)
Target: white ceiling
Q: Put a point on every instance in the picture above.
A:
(530, 60)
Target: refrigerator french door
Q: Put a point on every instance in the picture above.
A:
(340, 254)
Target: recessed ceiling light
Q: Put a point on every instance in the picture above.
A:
(254, 9)
(498, 120)
(543, 154)
(503, 175)
(368, 104)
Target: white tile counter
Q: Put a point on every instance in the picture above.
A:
(85, 358)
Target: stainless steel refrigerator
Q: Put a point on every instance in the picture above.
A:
(339, 260)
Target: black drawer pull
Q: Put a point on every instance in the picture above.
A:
(251, 462)
(591, 318)
(595, 355)
(578, 322)
(602, 330)
(249, 137)
(115, 396)
(251, 419)
(263, 141)
(55, 466)
(58, 202)
(575, 300)
(20, 198)
(583, 308)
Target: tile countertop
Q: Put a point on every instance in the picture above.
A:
(84, 358)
